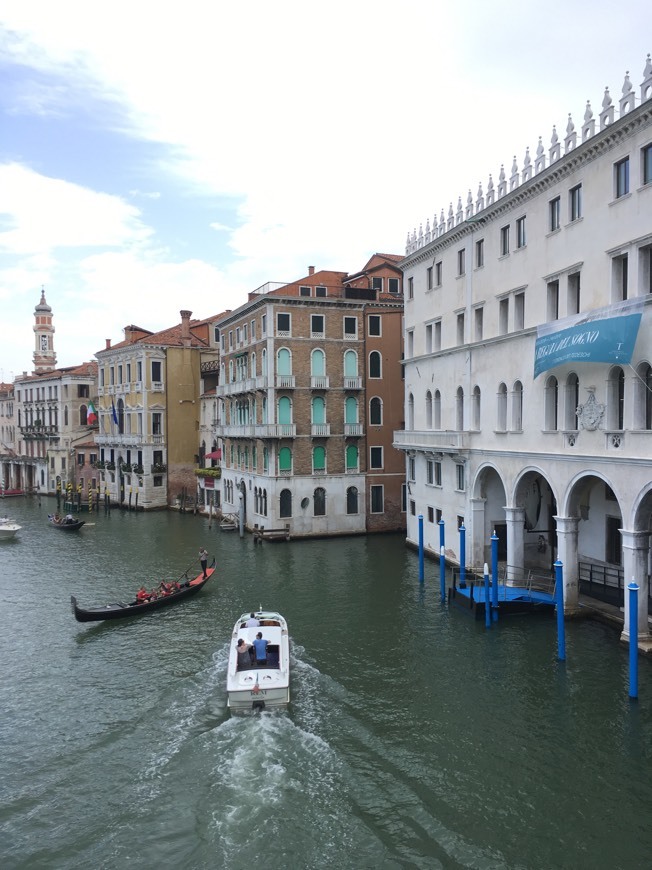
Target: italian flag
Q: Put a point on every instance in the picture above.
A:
(91, 415)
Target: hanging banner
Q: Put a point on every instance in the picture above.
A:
(605, 335)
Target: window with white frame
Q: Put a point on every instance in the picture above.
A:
(621, 178)
(573, 299)
(350, 327)
(411, 469)
(479, 254)
(504, 241)
(377, 499)
(519, 311)
(461, 262)
(374, 325)
(429, 278)
(646, 164)
(521, 239)
(375, 457)
(283, 323)
(460, 483)
(575, 203)
(316, 325)
(393, 285)
(554, 214)
(478, 316)
(410, 288)
(375, 412)
(320, 291)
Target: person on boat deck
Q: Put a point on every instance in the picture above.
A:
(260, 646)
(252, 622)
(203, 558)
(142, 595)
(69, 518)
(244, 656)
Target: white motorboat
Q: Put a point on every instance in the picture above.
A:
(255, 686)
(8, 528)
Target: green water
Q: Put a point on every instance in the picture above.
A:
(415, 738)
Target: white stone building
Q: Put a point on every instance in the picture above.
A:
(558, 463)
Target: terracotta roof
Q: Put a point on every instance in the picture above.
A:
(171, 337)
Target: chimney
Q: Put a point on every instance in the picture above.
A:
(185, 328)
(311, 270)
(108, 343)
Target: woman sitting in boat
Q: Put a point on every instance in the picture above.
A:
(142, 595)
(244, 656)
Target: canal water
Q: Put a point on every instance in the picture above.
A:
(415, 737)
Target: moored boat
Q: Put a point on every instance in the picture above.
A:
(67, 524)
(8, 528)
(120, 609)
(252, 685)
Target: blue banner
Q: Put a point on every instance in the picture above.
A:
(599, 340)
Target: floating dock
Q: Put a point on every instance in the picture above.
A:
(512, 600)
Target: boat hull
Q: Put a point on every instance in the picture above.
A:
(74, 526)
(9, 531)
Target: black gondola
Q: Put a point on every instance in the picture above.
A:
(64, 524)
(119, 610)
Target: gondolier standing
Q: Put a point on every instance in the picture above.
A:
(203, 558)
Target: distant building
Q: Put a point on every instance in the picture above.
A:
(149, 388)
(51, 416)
(528, 381)
(310, 391)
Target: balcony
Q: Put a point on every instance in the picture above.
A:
(284, 382)
(244, 431)
(119, 440)
(320, 430)
(159, 468)
(319, 382)
(157, 387)
(353, 430)
(35, 432)
(352, 383)
(444, 440)
(276, 430)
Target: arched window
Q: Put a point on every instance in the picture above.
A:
(375, 412)
(616, 398)
(517, 407)
(410, 411)
(263, 362)
(437, 410)
(265, 460)
(319, 502)
(284, 410)
(551, 405)
(428, 410)
(264, 508)
(350, 364)
(352, 500)
(351, 457)
(318, 460)
(459, 410)
(65, 415)
(285, 460)
(477, 408)
(231, 375)
(256, 506)
(252, 365)
(643, 397)
(83, 415)
(263, 411)
(317, 363)
(375, 365)
(571, 401)
(501, 415)
(318, 410)
(285, 504)
(283, 362)
(121, 416)
(351, 410)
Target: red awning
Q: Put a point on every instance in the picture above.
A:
(216, 454)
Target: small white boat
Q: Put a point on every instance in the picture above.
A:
(257, 687)
(8, 528)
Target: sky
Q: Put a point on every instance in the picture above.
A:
(159, 156)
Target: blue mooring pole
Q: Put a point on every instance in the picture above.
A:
(494, 574)
(462, 557)
(633, 639)
(420, 548)
(442, 574)
(442, 535)
(487, 608)
(559, 597)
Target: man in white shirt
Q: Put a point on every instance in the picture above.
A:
(252, 622)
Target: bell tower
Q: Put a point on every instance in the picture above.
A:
(45, 359)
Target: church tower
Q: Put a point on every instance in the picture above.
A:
(45, 359)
